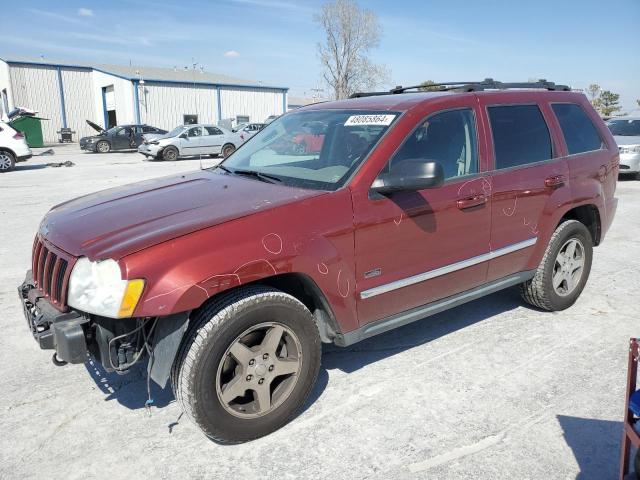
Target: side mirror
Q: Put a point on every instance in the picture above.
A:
(410, 176)
(184, 135)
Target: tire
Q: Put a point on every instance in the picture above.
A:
(170, 154)
(540, 290)
(228, 149)
(636, 461)
(7, 161)
(207, 359)
(103, 147)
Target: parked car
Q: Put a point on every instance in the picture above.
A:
(626, 132)
(121, 137)
(190, 140)
(232, 277)
(13, 148)
(248, 130)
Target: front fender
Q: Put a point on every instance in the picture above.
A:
(184, 273)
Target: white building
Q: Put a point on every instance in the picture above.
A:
(69, 94)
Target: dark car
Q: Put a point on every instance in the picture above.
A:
(230, 278)
(120, 137)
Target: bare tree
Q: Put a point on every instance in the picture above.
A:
(593, 91)
(351, 33)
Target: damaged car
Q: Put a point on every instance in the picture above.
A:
(227, 280)
(121, 137)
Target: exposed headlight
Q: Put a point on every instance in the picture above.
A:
(629, 148)
(97, 287)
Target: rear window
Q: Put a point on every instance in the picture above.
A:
(520, 135)
(580, 134)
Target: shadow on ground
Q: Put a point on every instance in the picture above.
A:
(130, 390)
(595, 444)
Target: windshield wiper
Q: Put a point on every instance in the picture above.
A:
(265, 177)
(222, 167)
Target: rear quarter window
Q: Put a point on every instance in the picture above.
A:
(580, 134)
(520, 135)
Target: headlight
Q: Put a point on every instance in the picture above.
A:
(97, 287)
(629, 149)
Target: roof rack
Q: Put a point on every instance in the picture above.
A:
(486, 84)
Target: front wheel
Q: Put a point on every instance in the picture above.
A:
(103, 146)
(247, 364)
(170, 154)
(564, 270)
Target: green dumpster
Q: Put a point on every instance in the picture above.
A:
(32, 129)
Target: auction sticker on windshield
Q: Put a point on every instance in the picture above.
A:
(369, 120)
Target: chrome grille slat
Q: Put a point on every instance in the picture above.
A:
(50, 269)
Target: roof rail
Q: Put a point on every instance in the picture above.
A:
(486, 84)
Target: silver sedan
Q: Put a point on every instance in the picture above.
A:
(191, 140)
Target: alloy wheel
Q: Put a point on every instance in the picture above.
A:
(568, 267)
(5, 161)
(259, 370)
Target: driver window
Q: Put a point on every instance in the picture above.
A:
(194, 132)
(448, 138)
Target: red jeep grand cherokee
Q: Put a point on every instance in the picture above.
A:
(230, 278)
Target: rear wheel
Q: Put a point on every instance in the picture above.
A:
(103, 146)
(564, 270)
(228, 149)
(170, 154)
(247, 364)
(7, 161)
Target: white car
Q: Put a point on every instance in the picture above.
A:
(13, 148)
(626, 132)
(191, 140)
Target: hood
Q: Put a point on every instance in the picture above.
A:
(120, 221)
(627, 140)
(95, 126)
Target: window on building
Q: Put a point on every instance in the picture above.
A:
(448, 138)
(189, 119)
(242, 119)
(520, 135)
(212, 131)
(580, 134)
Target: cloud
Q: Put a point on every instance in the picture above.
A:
(231, 54)
(85, 12)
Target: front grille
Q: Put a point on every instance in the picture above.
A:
(51, 268)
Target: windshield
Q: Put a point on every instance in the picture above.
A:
(111, 131)
(175, 132)
(314, 149)
(625, 128)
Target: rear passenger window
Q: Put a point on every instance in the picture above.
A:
(580, 134)
(520, 135)
(448, 138)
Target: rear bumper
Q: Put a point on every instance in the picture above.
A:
(52, 329)
(24, 158)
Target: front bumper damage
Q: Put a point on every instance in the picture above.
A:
(52, 329)
(116, 344)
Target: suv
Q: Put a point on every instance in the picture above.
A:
(13, 148)
(230, 278)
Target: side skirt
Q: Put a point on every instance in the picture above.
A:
(418, 313)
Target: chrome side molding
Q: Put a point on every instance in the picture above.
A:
(421, 277)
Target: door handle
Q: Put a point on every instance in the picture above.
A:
(554, 181)
(470, 202)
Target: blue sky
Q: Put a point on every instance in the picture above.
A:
(274, 41)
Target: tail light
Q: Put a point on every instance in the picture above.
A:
(18, 135)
